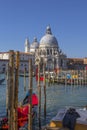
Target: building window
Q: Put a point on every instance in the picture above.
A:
(61, 62)
(51, 51)
(47, 51)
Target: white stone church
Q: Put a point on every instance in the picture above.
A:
(47, 51)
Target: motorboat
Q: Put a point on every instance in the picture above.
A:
(69, 118)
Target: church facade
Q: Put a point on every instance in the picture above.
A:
(47, 51)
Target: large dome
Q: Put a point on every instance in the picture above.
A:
(48, 40)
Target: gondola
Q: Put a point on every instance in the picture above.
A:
(22, 112)
(2, 80)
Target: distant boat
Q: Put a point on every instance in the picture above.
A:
(2, 80)
(24, 75)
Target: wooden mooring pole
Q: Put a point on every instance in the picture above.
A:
(49, 78)
(16, 91)
(11, 91)
(85, 77)
(7, 87)
(39, 93)
(30, 89)
(25, 79)
(44, 82)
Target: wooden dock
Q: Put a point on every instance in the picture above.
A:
(68, 82)
(70, 77)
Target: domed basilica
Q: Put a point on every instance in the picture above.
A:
(47, 51)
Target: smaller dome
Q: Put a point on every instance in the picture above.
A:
(34, 45)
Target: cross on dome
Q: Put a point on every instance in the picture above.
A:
(48, 30)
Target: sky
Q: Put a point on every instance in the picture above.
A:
(21, 19)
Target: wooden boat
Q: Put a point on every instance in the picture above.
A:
(57, 122)
(22, 113)
(2, 80)
(24, 75)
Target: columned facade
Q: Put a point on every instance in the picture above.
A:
(49, 53)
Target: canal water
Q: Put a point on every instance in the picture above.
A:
(58, 96)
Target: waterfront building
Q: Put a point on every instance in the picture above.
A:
(47, 51)
(24, 61)
(85, 60)
(50, 53)
(76, 63)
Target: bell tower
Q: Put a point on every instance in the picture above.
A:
(27, 45)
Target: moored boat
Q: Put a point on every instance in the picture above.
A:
(24, 75)
(72, 119)
(2, 80)
(22, 112)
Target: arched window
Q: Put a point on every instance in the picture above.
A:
(51, 51)
(47, 51)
